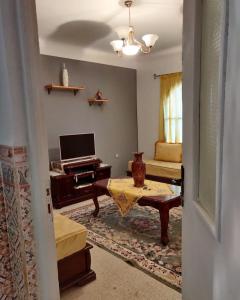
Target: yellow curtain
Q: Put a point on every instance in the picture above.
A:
(171, 108)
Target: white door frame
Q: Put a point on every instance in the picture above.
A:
(27, 34)
(200, 236)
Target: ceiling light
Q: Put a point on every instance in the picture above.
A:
(117, 45)
(130, 49)
(130, 45)
(150, 39)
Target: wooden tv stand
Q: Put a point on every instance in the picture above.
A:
(72, 182)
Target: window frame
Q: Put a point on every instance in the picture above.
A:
(214, 224)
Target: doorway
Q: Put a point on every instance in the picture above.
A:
(31, 120)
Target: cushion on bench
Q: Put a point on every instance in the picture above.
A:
(70, 236)
(168, 152)
(161, 168)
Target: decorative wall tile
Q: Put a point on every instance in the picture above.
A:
(20, 155)
(6, 282)
(6, 153)
(16, 203)
(27, 228)
(13, 219)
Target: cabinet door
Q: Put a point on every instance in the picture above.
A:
(62, 187)
(67, 186)
(103, 173)
(84, 192)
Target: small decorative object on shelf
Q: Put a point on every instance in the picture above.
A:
(138, 170)
(65, 77)
(98, 99)
(98, 95)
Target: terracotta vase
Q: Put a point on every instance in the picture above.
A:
(138, 170)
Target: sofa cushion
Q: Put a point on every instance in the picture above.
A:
(70, 236)
(161, 168)
(168, 152)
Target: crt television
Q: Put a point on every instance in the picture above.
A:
(77, 146)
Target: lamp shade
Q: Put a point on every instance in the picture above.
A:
(130, 49)
(150, 39)
(117, 45)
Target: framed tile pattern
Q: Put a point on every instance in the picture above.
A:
(15, 202)
(6, 282)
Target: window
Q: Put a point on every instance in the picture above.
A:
(211, 105)
(172, 108)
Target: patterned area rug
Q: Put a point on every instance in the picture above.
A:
(136, 238)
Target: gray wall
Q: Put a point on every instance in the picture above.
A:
(114, 124)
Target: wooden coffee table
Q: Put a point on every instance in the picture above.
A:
(162, 203)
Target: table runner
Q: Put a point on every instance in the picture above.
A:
(125, 194)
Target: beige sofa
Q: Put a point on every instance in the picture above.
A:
(166, 164)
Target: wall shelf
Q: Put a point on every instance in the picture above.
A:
(94, 101)
(74, 89)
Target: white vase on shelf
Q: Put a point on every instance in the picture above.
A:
(65, 77)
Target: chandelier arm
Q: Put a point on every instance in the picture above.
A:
(139, 43)
(144, 48)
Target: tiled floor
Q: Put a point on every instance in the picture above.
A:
(116, 280)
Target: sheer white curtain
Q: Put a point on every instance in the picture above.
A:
(172, 108)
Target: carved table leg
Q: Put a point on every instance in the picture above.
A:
(164, 219)
(96, 211)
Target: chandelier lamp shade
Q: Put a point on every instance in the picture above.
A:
(130, 45)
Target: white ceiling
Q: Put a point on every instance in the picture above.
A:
(84, 28)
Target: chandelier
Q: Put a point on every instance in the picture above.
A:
(130, 45)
